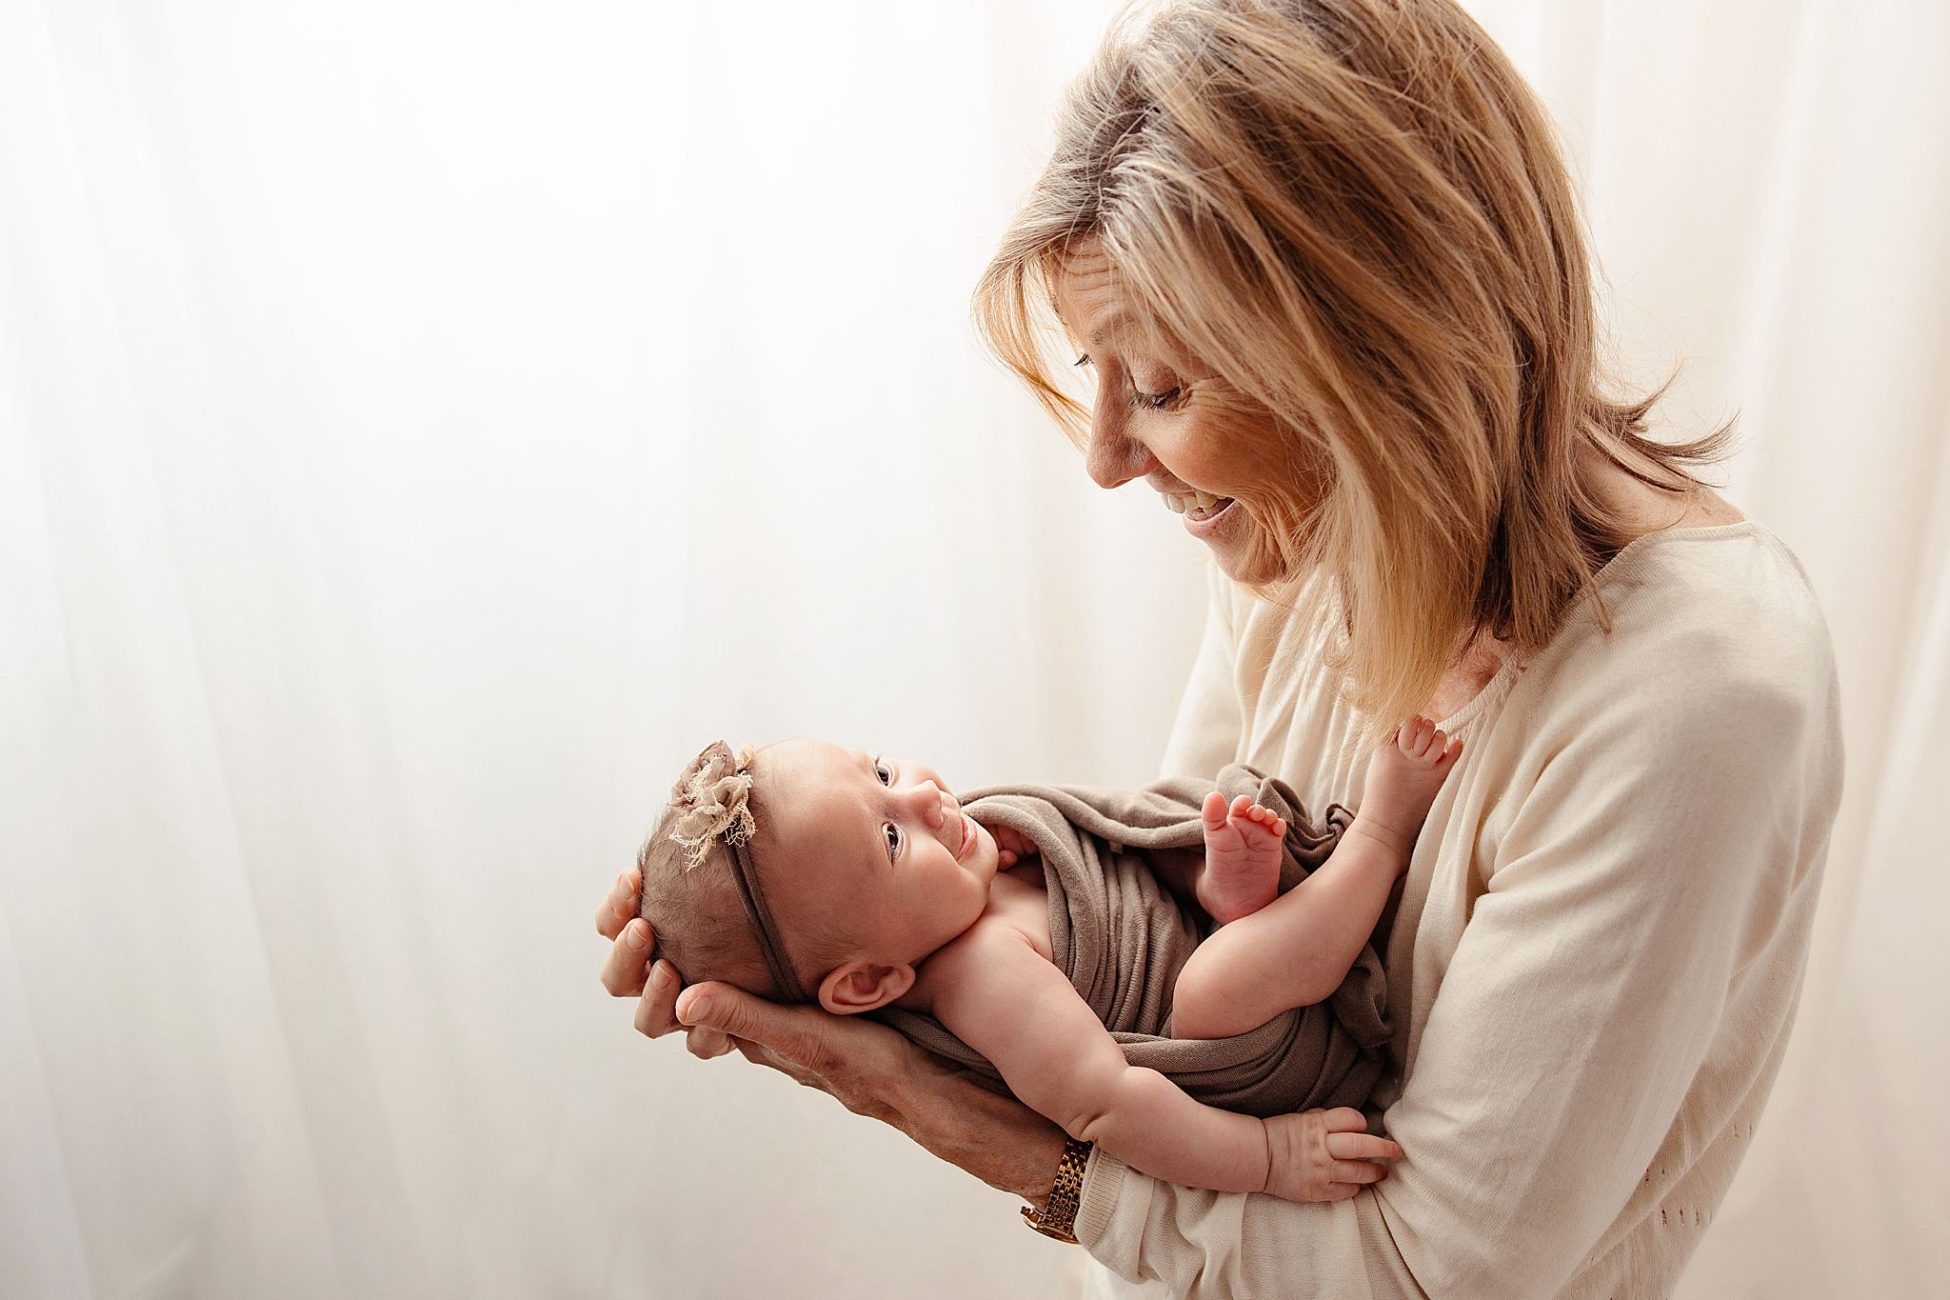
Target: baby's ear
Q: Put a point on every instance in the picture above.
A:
(863, 986)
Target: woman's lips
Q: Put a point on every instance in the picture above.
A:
(1211, 523)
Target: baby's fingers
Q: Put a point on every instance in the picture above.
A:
(1361, 1146)
(1356, 1171)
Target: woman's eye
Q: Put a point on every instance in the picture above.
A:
(893, 834)
(883, 771)
(1155, 401)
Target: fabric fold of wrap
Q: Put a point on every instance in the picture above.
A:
(1122, 938)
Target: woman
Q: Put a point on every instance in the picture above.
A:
(1326, 266)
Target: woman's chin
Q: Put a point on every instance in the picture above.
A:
(1243, 556)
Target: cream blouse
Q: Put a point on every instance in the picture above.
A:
(1598, 949)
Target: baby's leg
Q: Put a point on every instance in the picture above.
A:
(1296, 950)
(1241, 872)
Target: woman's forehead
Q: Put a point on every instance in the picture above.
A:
(1096, 310)
(1087, 295)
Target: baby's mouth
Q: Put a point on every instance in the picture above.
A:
(967, 837)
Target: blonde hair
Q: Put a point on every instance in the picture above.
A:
(1355, 215)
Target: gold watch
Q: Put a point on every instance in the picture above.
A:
(1059, 1216)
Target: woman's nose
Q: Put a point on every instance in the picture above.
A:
(1112, 457)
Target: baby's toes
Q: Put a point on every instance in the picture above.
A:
(1214, 811)
(1261, 819)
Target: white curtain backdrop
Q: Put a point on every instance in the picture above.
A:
(424, 425)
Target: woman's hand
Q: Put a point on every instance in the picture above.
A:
(1324, 1155)
(868, 1067)
(628, 971)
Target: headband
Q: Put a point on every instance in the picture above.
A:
(761, 917)
(715, 795)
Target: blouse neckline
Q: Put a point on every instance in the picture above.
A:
(1628, 560)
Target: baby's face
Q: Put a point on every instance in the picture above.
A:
(872, 847)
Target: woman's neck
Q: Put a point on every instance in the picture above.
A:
(1644, 509)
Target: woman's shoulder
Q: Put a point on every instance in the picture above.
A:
(1719, 620)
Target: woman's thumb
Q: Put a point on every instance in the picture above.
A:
(733, 1011)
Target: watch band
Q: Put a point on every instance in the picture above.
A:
(1058, 1218)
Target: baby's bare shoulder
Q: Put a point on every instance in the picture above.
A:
(988, 952)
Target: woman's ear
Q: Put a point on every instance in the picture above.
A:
(863, 986)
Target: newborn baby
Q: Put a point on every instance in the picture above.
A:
(807, 872)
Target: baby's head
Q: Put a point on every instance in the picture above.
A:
(862, 866)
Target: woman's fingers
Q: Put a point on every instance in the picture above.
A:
(705, 1044)
(1361, 1146)
(856, 1061)
(656, 1013)
(632, 971)
(628, 964)
(787, 1031)
(620, 907)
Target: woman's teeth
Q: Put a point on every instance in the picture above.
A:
(1197, 505)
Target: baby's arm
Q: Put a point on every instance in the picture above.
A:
(1004, 999)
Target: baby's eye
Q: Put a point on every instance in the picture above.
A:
(893, 834)
(884, 771)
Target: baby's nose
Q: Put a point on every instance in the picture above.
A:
(934, 802)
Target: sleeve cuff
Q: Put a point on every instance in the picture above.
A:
(1103, 1180)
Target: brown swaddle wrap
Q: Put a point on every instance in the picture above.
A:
(1122, 938)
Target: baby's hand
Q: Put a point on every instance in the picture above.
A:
(1242, 857)
(1011, 845)
(1324, 1155)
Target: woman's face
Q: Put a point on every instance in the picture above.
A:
(1190, 436)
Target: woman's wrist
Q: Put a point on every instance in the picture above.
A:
(989, 1134)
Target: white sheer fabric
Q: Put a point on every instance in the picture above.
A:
(423, 426)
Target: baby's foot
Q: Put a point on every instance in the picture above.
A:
(1403, 777)
(1242, 858)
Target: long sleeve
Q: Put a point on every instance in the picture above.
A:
(1600, 990)
(1205, 734)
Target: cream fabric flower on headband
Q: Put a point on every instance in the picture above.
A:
(714, 800)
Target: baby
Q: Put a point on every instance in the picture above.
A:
(808, 872)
